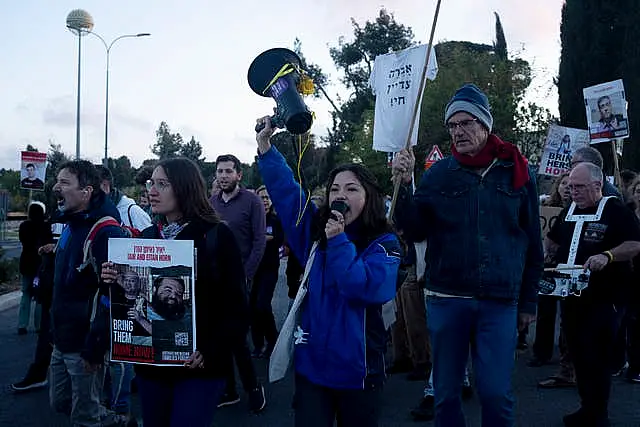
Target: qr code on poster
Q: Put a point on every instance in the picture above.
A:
(182, 339)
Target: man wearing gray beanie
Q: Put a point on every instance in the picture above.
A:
(478, 211)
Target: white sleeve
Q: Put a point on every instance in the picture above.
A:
(139, 218)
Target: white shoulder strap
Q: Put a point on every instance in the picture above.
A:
(307, 267)
(580, 220)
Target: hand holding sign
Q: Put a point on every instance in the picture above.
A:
(403, 165)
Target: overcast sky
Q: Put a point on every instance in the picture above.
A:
(192, 71)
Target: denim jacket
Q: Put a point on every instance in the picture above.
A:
(483, 235)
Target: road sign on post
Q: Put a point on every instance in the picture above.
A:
(434, 155)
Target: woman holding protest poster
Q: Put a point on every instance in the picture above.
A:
(352, 264)
(188, 396)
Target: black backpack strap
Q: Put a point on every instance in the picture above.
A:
(129, 215)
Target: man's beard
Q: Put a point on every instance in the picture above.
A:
(231, 188)
(167, 311)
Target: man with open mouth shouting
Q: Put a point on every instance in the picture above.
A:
(79, 330)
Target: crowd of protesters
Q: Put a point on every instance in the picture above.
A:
(462, 263)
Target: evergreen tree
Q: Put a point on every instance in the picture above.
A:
(600, 44)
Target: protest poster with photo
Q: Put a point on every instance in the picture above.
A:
(152, 301)
(33, 168)
(606, 111)
(561, 143)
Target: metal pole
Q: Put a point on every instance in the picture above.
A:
(78, 98)
(105, 161)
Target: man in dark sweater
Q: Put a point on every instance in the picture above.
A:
(242, 210)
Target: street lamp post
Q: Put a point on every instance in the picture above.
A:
(108, 47)
(79, 22)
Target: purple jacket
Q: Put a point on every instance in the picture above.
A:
(244, 214)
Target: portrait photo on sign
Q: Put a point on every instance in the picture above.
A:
(152, 301)
(130, 298)
(170, 313)
(606, 109)
(560, 144)
(33, 167)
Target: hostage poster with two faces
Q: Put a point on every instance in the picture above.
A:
(152, 301)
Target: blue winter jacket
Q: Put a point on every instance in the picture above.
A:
(344, 336)
(75, 287)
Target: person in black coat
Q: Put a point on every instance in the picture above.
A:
(263, 324)
(33, 233)
(188, 396)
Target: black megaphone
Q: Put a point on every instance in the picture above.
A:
(291, 111)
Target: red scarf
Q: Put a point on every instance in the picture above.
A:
(497, 148)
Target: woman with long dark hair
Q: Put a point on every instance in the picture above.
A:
(188, 396)
(353, 259)
(263, 324)
(33, 233)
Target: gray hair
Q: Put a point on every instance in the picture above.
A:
(594, 171)
(589, 155)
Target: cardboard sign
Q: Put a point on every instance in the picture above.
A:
(548, 217)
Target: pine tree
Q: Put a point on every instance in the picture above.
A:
(500, 45)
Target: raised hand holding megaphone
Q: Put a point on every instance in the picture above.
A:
(278, 73)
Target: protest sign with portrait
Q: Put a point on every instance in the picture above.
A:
(152, 301)
(561, 143)
(33, 167)
(606, 111)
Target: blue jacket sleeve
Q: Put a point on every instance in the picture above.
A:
(289, 200)
(534, 265)
(368, 279)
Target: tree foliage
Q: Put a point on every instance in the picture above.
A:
(500, 45)
(532, 126)
(504, 79)
(122, 171)
(167, 144)
(192, 150)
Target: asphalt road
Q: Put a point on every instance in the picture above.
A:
(12, 248)
(535, 408)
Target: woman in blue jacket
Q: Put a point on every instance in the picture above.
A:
(341, 338)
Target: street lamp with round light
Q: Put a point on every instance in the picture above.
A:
(108, 46)
(79, 22)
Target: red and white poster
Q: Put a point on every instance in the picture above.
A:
(152, 301)
(33, 170)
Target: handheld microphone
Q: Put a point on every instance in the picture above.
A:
(340, 206)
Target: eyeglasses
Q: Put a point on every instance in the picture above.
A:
(465, 125)
(161, 185)
(577, 187)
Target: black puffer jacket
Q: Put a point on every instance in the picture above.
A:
(222, 314)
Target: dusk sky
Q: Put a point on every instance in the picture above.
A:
(191, 72)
